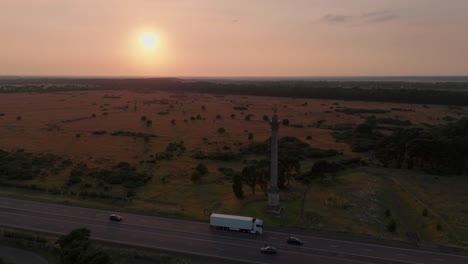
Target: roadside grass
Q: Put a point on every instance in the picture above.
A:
(120, 254)
(355, 202)
(38, 243)
(439, 203)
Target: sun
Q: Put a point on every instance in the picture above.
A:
(148, 40)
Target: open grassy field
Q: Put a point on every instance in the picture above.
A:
(80, 126)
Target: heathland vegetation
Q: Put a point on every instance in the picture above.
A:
(350, 166)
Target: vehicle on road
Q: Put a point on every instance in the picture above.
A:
(294, 241)
(237, 223)
(269, 250)
(115, 217)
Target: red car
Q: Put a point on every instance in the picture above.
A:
(114, 217)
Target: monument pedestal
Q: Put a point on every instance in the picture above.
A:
(273, 203)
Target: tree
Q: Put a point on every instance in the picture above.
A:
(76, 248)
(306, 180)
(249, 176)
(201, 168)
(288, 168)
(263, 175)
(237, 186)
(196, 176)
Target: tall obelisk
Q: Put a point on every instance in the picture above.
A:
(273, 191)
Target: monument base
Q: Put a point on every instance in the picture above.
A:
(273, 203)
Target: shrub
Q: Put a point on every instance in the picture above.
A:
(240, 108)
(149, 122)
(221, 130)
(391, 226)
(309, 137)
(285, 122)
(196, 176)
(251, 135)
(143, 118)
(233, 116)
(425, 213)
(388, 213)
(201, 168)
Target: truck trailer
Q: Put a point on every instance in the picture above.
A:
(237, 223)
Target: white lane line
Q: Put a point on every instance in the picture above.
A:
(403, 255)
(152, 247)
(366, 249)
(335, 246)
(369, 245)
(219, 242)
(438, 259)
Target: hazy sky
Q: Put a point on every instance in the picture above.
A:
(234, 38)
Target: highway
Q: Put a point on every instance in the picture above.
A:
(198, 238)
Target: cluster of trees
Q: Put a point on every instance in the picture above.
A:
(439, 92)
(199, 171)
(288, 147)
(440, 150)
(20, 165)
(258, 174)
(76, 248)
(173, 150)
(122, 173)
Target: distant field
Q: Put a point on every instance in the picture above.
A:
(102, 128)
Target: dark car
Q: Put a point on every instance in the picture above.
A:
(268, 250)
(114, 217)
(294, 240)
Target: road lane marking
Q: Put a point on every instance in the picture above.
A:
(438, 259)
(155, 220)
(367, 244)
(404, 255)
(231, 244)
(153, 247)
(342, 260)
(335, 246)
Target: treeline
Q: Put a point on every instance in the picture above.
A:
(445, 93)
(441, 150)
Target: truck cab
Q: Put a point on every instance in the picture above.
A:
(258, 226)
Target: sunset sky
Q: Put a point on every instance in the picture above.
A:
(233, 38)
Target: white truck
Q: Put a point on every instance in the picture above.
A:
(237, 223)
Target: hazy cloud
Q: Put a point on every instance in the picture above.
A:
(336, 19)
(365, 18)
